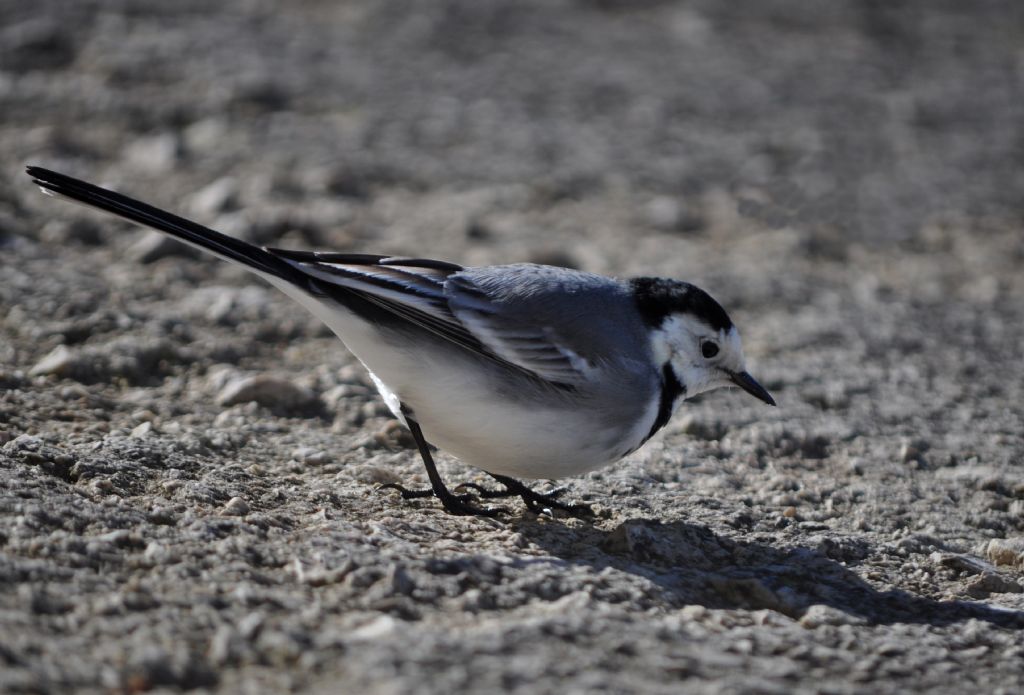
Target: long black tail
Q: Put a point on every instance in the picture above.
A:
(226, 247)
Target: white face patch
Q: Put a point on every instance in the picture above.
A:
(678, 342)
(663, 341)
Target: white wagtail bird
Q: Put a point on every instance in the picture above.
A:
(524, 371)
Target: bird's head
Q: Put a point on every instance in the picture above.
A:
(693, 339)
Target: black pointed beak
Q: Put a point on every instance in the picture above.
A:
(750, 385)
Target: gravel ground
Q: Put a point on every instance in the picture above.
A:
(189, 464)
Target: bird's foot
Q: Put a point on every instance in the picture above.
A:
(406, 493)
(456, 504)
(460, 505)
(536, 502)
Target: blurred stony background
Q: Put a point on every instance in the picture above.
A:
(187, 495)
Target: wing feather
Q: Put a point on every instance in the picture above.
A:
(532, 347)
(420, 292)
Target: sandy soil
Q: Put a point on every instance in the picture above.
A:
(845, 177)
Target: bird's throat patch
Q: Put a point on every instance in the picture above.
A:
(671, 391)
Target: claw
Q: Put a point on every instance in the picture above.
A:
(455, 505)
(460, 505)
(479, 489)
(406, 493)
(539, 503)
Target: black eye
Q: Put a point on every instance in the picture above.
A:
(709, 349)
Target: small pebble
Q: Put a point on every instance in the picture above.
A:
(913, 451)
(161, 515)
(143, 415)
(370, 474)
(1006, 551)
(992, 583)
(215, 198)
(961, 563)
(59, 362)
(153, 246)
(376, 629)
(102, 486)
(820, 614)
(73, 392)
(269, 391)
(236, 506)
(307, 454)
(205, 134)
(156, 552)
(155, 154)
(663, 212)
(171, 485)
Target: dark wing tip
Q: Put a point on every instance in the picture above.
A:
(327, 256)
(45, 178)
(364, 259)
(429, 263)
(49, 177)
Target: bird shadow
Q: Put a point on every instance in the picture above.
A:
(691, 564)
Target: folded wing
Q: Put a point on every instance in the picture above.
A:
(434, 296)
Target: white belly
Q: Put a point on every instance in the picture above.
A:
(460, 413)
(512, 439)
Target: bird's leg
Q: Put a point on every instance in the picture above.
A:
(535, 501)
(453, 504)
